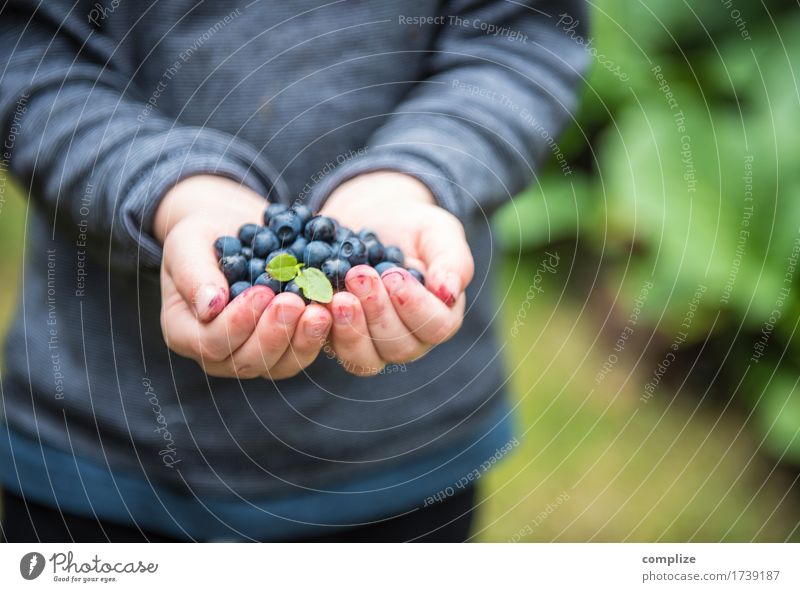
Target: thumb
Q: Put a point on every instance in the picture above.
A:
(448, 260)
(190, 261)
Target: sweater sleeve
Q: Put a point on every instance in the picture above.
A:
(501, 83)
(84, 145)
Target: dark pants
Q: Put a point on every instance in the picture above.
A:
(447, 521)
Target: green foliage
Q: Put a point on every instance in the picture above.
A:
(311, 281)
(548, 211)
(12, 236)
(696, 188)
(315, 285)
(284, 267)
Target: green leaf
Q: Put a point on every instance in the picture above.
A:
(315, 285)
(284, 267)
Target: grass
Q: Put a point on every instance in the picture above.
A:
(596, 464)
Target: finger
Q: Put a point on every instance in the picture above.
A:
(271, 338)
(391, 338)
(217, 339)
(424, 314)
(312, 330)
(350, 336)
(449, 262)
(418, 264)
(190, 261)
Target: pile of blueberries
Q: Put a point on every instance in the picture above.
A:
(315, 241)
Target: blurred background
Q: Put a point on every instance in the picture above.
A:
(650, 293)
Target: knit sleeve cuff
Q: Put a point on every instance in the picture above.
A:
(433, 175)
(183, 153)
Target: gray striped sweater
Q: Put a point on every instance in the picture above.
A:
(105, 105)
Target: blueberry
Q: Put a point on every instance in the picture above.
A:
(384, 265)
(274, 254)
(237, 288)
(264, 243)
(303, 212)
(367, 235)
(316, 253)
(255, 267)
(273, 210)
(335, 270)
(233, 268)
(247, 252)
(393, 254)
(353, 251)
(293, 288)
(265, 280)
(342, 234)
(320, 228)
(286, 226)
(248, 232)
(225, 246)
(374, 251)
(298, 247)
(417, 274)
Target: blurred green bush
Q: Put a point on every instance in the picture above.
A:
(12, 212)
(686, 173)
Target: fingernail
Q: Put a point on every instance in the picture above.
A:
(261, 298)
(394, 280)
(286, 315)
(317, 329)
(451, 286)
(343, 314)
(361, 285)
(209, 301)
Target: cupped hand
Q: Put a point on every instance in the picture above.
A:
(393, 318)
(258, 333)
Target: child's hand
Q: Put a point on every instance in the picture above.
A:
(395, 318)
(259, 333)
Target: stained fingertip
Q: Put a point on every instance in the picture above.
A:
(360, 280)
(394, 277)
(447, 288)
(286, 309)
(343, 314)
(317, 326)
(397, 281)
(343, 308)
(260, 297)
(317, 310)
(445, 295)
(209, 301)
